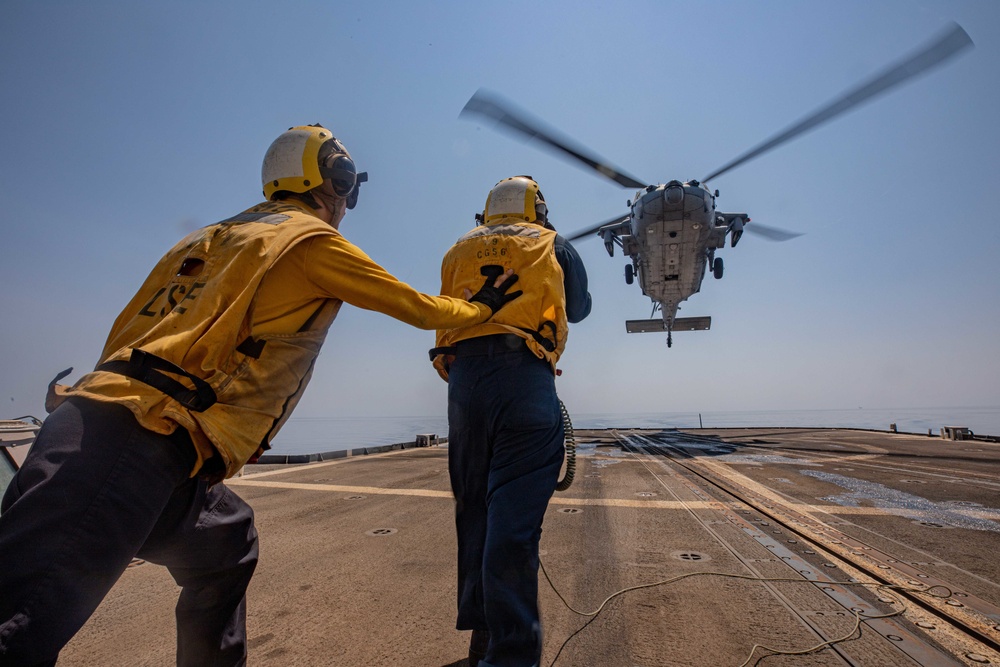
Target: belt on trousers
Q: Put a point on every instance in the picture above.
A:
(486, 345)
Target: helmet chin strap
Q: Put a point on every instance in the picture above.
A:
(334, 204)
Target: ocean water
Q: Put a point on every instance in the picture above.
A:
(314, 435)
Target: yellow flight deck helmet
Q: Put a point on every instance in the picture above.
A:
(518, 197)
(302, 157)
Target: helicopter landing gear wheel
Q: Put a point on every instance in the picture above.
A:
(717, 268)
(629, 274)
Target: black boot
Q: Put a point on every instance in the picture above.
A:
(478, 644)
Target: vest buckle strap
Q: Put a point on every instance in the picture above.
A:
(149, 369)
(435, 351)
(546, 344)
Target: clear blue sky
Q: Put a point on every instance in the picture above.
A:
(127, 124)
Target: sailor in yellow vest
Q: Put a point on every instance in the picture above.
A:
(199, 372)
(505, 432)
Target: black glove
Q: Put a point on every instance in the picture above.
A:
(495, 297)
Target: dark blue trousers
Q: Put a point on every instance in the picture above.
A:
(97, 490)
(505, 449)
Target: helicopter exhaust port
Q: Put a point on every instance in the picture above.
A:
(736, 231)
(609, 241)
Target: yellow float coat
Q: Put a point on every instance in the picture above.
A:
(529, 250)
(269, 281)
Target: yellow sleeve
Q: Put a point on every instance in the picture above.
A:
(341, 270)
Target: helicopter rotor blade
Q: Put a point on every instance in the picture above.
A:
(590, 231)
(485, 104)
(950, 43)
(770, 233)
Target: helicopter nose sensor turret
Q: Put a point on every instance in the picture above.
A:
(673, 194)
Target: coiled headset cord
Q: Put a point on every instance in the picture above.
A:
(570, 444)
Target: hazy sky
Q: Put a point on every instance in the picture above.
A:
(127, 124)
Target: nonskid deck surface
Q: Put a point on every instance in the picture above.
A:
(722, 539)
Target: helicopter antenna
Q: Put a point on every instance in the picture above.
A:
(950, 43)
(486, 104)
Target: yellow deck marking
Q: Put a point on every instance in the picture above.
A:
(584, 502)
(627, 502)
(340, 488)
(432, 493)
(292, 467)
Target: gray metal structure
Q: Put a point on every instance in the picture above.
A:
(16, 436)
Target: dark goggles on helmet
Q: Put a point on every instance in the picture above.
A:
(344, 178)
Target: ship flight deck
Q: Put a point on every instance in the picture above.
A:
(700, 547)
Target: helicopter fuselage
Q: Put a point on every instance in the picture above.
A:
(671, 236)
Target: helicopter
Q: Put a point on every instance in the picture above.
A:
(672, 230)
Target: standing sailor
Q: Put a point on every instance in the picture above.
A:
(505, 429)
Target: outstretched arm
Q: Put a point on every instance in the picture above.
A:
(341, 270)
